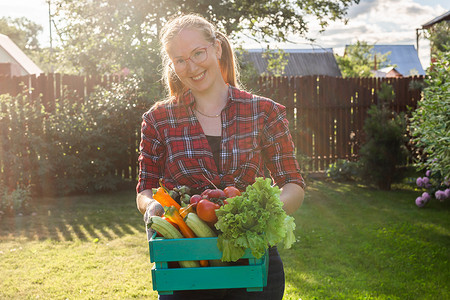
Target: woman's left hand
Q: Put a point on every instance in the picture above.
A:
(292, 196)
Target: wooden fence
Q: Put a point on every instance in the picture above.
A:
(53, 85)
(326, 113)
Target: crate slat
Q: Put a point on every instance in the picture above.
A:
(186, 249)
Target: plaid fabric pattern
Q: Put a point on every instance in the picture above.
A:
(254, 134)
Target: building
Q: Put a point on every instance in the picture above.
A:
(429, 26)
(403, 58)
(13, 62)
(387, 72)
(300, 62)
(441, 18)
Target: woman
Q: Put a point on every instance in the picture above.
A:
(210, 131)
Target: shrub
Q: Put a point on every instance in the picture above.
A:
(434, 185)
(384, 149)
(81, 147)
(21, 141)
(343, 170)
(15, 202)
(430, 122)
(92, 142)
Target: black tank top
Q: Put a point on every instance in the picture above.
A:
(214, 143)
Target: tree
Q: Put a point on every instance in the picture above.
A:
(277, 61)
(430, 122)
(105, 36)
(358, 60)
(439, 36)
(22, 31)
(384, 149)
(248, 73)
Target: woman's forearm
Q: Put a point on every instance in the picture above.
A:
(143, 199)
(292, 196)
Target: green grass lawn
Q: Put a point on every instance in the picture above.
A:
(354, 243)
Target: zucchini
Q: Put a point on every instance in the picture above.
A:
(198, 226)
(201, 229)
(169, 232)
(189, 264)
(165, 228)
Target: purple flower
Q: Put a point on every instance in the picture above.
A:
(425, 180)
(428, 185)
(447, 193)
(426, 197)
(440, 195)
(428, 173)
(420, 202)
(419, 182)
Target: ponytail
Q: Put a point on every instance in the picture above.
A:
(228, 65)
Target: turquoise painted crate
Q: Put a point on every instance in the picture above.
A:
(166, 280)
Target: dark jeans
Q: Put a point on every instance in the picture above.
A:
(273, 291)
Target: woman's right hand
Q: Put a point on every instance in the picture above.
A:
(148, 206)
(153, 209)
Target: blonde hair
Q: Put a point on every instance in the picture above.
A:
(227, 62)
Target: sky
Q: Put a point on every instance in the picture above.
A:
(381, 22)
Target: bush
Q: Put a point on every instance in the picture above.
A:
(435, 186)
(343, 170)
(430, 122)
(15, 202)
(81, 147)
(94, 141)
(21, 141)
(384, 150)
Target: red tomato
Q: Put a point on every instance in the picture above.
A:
(205, 192)
(206, 210)
(195, 199)
(212, 193)
(231, 191)
(216, 193)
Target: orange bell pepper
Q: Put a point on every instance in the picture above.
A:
(173, 215)
(187, 209)
(164, 198)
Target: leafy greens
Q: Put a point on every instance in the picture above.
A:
(253, 220)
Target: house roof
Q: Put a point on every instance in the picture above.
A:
(443, 17)
(403, 57)
(385, 71)
(301, 62)
(17, 55)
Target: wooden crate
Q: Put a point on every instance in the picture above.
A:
(165, 280)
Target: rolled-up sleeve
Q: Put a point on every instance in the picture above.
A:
(278, 148)
(151, 155)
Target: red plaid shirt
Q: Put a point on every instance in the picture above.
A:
(254, 134)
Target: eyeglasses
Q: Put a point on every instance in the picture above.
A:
(198, 56)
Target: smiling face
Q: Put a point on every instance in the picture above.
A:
(199, 77)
